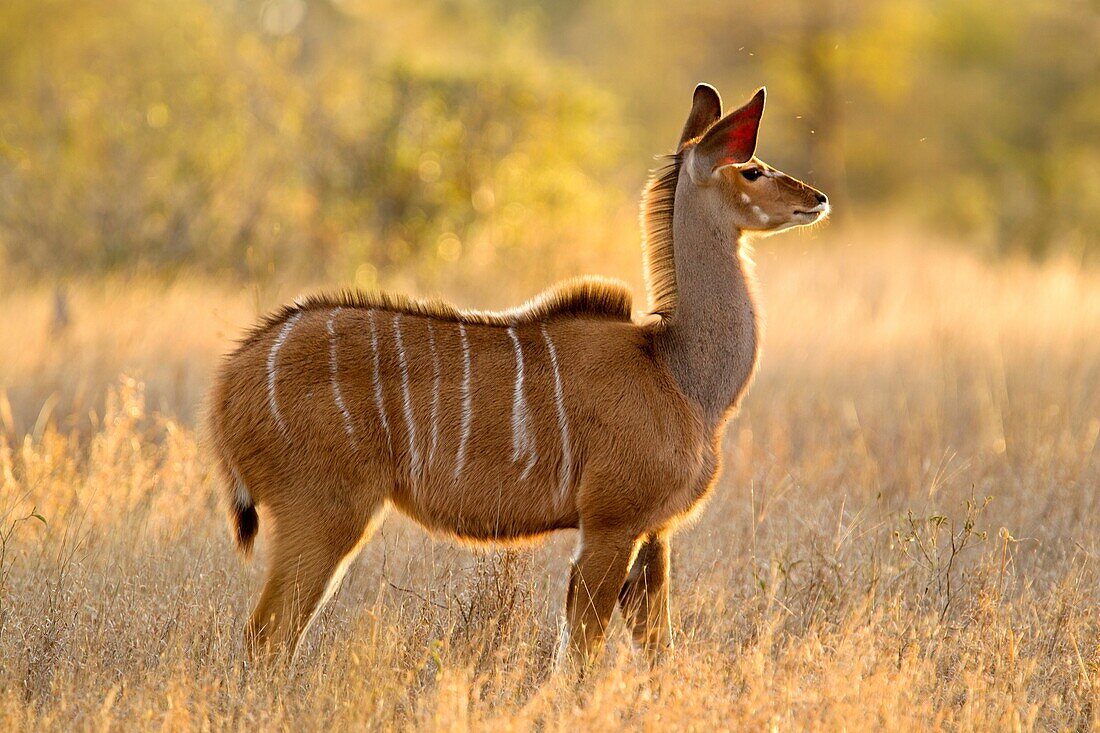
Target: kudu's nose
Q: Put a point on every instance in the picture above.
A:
(822, 198)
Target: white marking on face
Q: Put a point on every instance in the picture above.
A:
(437, 383)
(337, 395)
(467, 402)
(522, 443)
(272, 362)
(764, 218)
(563, 420)
(744, 198)
(769, 173)
(379, 400)
(410, 422)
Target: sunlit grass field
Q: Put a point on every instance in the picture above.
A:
(905, 534)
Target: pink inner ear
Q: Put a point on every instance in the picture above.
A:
(740, 138)
(741, 143)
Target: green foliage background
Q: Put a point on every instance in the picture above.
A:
(347, 138)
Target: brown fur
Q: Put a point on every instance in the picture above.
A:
(643, 407)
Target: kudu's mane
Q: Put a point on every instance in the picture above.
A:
(660, 264)
(582, 297)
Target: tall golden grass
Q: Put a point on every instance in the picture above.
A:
(905, 535)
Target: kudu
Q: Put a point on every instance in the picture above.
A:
(564, 413)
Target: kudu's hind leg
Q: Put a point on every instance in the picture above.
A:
(309, 555)
(644, 598)
(594, 582)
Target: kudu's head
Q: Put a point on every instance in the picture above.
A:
(719, 161)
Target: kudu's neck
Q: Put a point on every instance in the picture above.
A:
(710, 339)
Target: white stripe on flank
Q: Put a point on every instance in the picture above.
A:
(272, 362)
(467, 403)
(378, 399)
(410, 423)
(563, 420)
(522, 442)
(437, 382)
(337, 395)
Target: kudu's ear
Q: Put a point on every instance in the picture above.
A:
(706, 108)
(730, 142)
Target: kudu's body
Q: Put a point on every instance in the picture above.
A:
(564, 413)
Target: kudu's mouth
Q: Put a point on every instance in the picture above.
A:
(818, 212)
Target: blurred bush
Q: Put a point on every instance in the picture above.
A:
(154, 134)
(348, 137)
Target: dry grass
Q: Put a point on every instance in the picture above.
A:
(905, 535)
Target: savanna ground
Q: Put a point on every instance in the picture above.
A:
(905, 535)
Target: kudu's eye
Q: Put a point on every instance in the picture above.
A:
(751, 174)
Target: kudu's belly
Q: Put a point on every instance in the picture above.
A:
(496, 500)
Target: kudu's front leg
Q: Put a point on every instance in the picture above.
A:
(643, 598)
(597, 575)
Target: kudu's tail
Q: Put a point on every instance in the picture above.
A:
(247, 524)
(244, 520)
